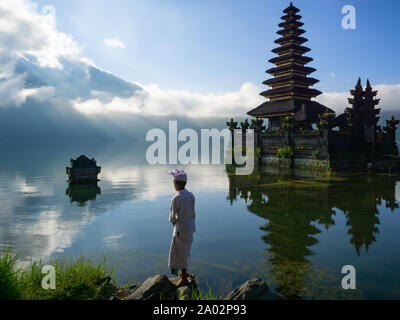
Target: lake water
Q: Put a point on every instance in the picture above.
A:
(294, 231)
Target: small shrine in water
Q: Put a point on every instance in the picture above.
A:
(83, 169)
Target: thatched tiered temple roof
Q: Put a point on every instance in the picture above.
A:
(290, 91)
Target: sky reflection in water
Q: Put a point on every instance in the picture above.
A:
(293, 231)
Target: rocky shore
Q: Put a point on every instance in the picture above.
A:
(160, 287)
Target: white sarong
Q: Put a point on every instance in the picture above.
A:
(179, 253)
(182, 216)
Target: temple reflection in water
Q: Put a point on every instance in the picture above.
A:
(299, 208)
(81, 193)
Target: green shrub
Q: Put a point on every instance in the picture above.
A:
(285, 153)
(315, 154)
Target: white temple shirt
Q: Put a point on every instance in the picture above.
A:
(182, 213)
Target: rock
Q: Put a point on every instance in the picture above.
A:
(254, 289)
(186, 292)
(121, 294)
(174, 280)
(155, 288)
(135, 286)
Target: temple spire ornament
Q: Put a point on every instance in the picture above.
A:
(363, 109)
(369, 111)
(354, 113)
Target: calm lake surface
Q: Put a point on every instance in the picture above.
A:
(295, 232)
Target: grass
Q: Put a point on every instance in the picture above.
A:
(79, 279)
(9, 284)
(197, 294)
(207, 295)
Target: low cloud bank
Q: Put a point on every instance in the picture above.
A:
(389, 95)
(42, 115)
(154, 101)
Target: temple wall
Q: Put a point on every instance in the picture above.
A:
(302, 145)
(321, 150)
(343, 154)
(387, 145)
(271, 143)
(317, 150)
(309, 150)
(340, 142)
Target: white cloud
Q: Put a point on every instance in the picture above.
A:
(334, 100)
(12, 90)
(332, 75)
(153, 100)
(26, 34)
(114, 43)
(23, 32)
(388, 93)
(13, 93)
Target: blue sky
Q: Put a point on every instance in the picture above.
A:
(216, 46)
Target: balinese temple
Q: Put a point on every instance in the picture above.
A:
(290, 92)
(302, 133)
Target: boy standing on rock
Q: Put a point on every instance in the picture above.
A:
(182, 217)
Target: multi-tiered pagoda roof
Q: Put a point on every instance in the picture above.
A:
(290, 91)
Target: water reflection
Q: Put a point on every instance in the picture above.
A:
(297, 209)
(37, 219)
(126, 217)
(41, 214)
(81, 193)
